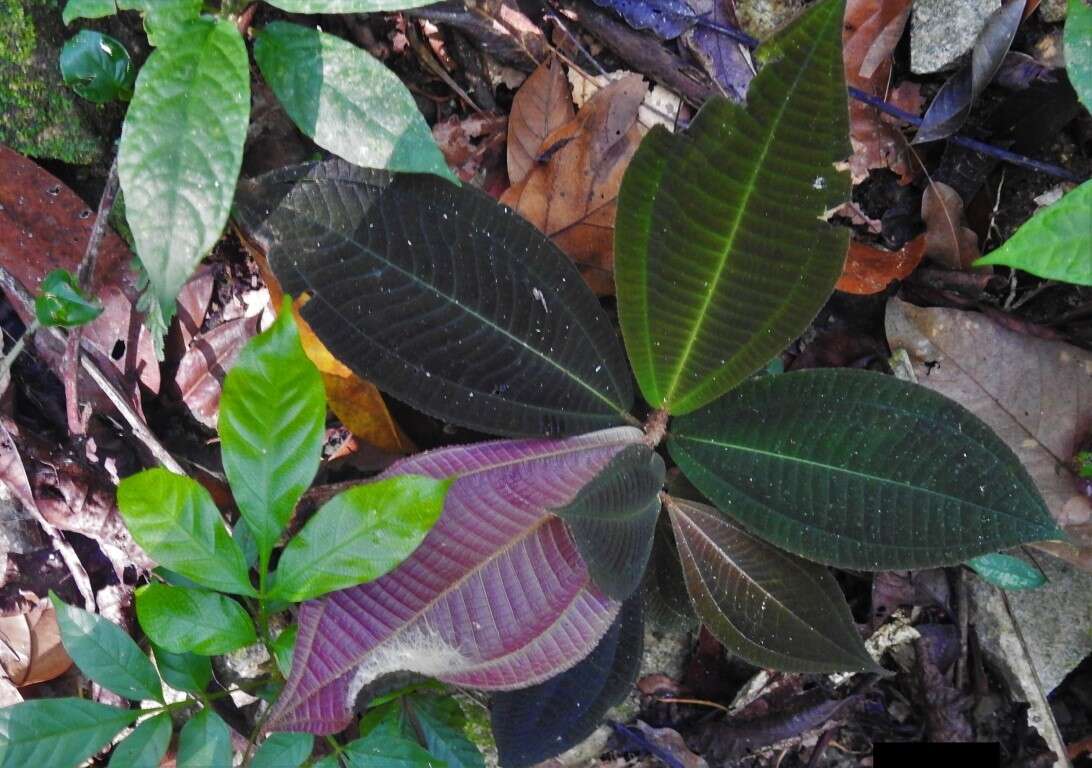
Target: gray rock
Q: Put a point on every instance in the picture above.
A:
(1052, 10)
(943, 30)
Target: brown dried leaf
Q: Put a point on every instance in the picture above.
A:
(947, 238)
(541, 106)
(870, 270)
(573, 197)
(1036, 394)
(30, 646)
(193, 303)
(202, 369)
(45, 226)
(474, 144)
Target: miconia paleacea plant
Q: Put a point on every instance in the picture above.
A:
(532, 582)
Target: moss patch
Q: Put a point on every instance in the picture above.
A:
(39, 116)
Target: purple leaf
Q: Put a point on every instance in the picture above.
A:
(496, 597)
(664, 18)
(726, 60)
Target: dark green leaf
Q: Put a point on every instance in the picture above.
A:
(97, 67)
(58, 733)
(721, 254)
(442, 298)
(87, 9)
(770, 608)
(534, 724)
(105, 653)
(613, 519)
(205, 742)
(440, 724)
(163, 18)
(283, 750)
(272, 424)
(181, 147)
(145, 746)
(61, 303)
(192, 620)
(1006, 571)
(358, 535)
(385, 747)
(667, 605)
(284, 645)
(1078, 49)
(184, 671)
(860, 470)
(346, 100)
(1055, 243)
(175, 521)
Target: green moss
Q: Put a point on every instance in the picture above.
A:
(39, 116)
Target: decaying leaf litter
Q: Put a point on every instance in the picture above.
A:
(542, 106)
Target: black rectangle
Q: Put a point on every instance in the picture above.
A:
(923, 755)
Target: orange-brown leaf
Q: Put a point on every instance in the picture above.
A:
(870, 270)
(572, 197)
(30, 646)
(542, 105)
(947, 238)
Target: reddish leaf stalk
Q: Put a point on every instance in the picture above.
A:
(655, 427)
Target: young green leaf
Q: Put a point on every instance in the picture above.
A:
(440, 724)
(87, 9)
(175, 521)
(105, 653)
(192, 620)
(272, 424)
(145, 746)
(204, 742)
(97, 67)
(385, 747)
(359, 535)
(184, 671)
(346, 6)
(1055, 243)
(283, 646)
(859, 470)
(1078, 49)
(441, 297)
(283, 750)
(346, 100)
(181, 148)
(1006, 571)
(613, 519)
(59, 733)
(61, 303)
(163, 18)
(721, 253)
(770, 608)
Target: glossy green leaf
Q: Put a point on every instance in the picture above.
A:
(61, 303)
(773, 609)
(1055, 243)
(346, 6)
(358, 535)
(283, 750)
(385, 747)
(184, 620)
(163, 18)
(97, 67)
(205, 742)
(283, 646)
(1006, 571)
(105, 653)
(860, 470)
(184, 671)
(59, 733)
(441, 297)
(613, 518)
(145, 746)
(721, 254)
(346, 100)
(181, 148)
(87, 9)
(1078, 49)
(440, 724)
(175, 521)
(272, 425)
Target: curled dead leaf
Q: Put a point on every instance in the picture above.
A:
(30, 646)
(947, 238)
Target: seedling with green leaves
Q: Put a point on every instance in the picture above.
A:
(216, 590)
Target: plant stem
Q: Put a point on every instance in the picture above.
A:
(16, 349)
(655, 427)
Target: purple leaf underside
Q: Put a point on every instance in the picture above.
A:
(496, 597)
